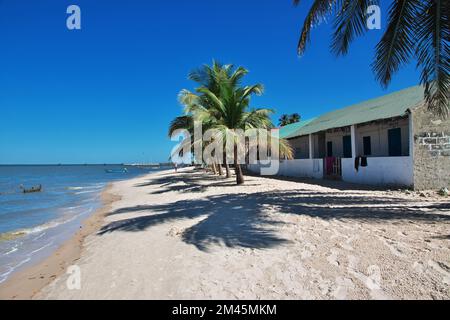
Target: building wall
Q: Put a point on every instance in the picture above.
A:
(378, 133)
(307, 168)
(383, 171)
(318, 140)
(336, 137)
(301, 147)
(431, 150)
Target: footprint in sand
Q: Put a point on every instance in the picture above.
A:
(392, 246)
(372, 282)
(343, 286)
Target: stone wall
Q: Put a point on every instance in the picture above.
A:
(431, 150)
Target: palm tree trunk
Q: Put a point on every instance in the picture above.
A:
(227, 169)
(237, 167)
(227, 166)
(220, 169)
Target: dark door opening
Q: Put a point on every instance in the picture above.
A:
(329, 149)
(367, 146)
(395, 142)
(347, 145)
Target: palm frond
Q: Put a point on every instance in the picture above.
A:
(186, 98)
(257, 119)
(397, 44)
(316, 15)
(181, 122)
(237, 75)
(213, 98)
(433, 53)
(349, 23)
(286, 150)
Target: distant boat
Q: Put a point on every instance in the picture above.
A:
(124, 170)
(32, 189)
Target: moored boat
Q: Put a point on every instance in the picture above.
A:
(32, 189)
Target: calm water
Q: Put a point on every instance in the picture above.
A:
(33, 225)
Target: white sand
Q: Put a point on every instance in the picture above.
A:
(197, 236)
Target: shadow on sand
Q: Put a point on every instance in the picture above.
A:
(241, 220)
(188, 183)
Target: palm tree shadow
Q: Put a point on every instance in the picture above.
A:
(187, 182)
(242, 220)
(229, 223)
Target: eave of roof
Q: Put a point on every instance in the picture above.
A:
(293, 127)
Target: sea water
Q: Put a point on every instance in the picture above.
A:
(33, 225)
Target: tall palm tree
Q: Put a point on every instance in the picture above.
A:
(416, 29)
(232, 112)
(223, 104)
(211, 77)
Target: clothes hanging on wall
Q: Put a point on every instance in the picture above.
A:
(363, 161)
(357, 159)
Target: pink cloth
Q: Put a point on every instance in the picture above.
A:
(329, 164)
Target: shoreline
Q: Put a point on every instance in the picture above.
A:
(25, 284)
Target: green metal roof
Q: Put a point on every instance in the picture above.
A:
(293, 127)
(388, 106)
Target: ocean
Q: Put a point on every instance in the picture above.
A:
(33, 225)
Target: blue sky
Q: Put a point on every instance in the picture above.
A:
(106, 93)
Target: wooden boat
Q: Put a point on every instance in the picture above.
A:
(32, 189)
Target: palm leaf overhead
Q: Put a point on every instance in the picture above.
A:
(416, 28)
(395, 47)
(349, 23)
(316, 15)
(433, 52)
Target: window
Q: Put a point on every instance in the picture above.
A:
(367, 146)
(395, 142)
(329, 149)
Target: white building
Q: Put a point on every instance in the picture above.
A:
(391, 140)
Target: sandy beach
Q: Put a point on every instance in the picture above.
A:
(192, 235)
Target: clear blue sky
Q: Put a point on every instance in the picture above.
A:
(106, 93)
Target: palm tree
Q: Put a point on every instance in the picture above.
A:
(284, 120)
(295, 117)
(416, 29)
(186, 122)
(211, 78)
(231, 109)
(223, 104)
